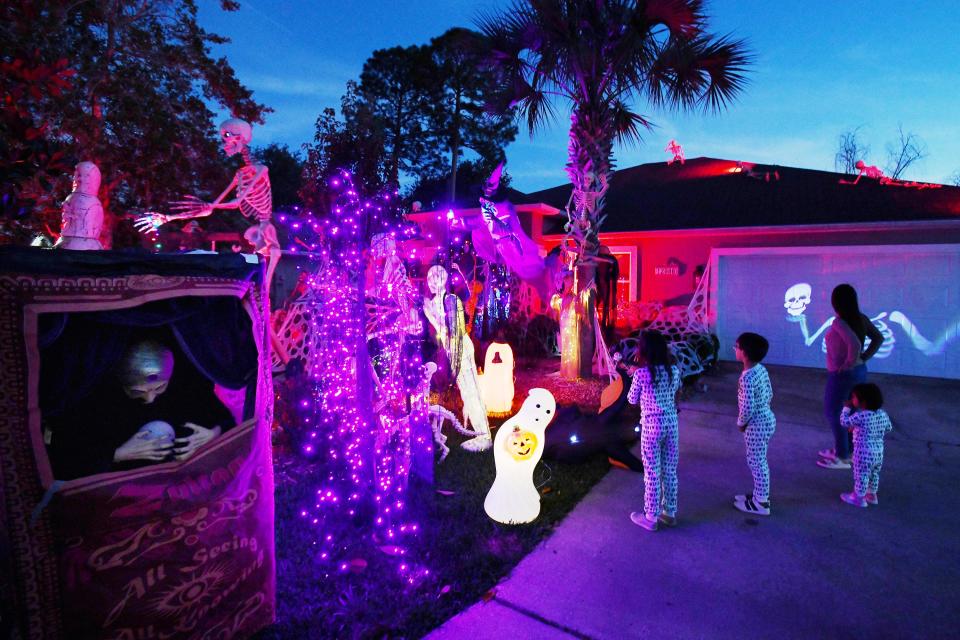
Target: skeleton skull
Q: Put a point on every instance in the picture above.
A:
(796, 299)
(437, 279)
(235, 134)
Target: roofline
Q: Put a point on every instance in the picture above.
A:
(897, 225)
(532, 207)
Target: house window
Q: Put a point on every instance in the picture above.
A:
(625, 290)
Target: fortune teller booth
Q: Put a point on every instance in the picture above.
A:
(136, 486)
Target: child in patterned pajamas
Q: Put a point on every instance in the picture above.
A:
(654, 386)
(755, 420)
(869, 424)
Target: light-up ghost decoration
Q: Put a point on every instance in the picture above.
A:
(496, 382)
(676, 150)
(82, 215)
(517, 448)
(444, 311)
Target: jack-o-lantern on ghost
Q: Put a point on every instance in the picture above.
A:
(517, 448)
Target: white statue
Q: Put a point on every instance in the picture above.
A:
(82, 217)
(513, 498)
(253, 198)
(445, 313)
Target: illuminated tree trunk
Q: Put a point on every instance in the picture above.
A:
(589, 154)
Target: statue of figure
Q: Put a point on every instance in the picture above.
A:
(253, 198)
(444, 311)
(869, 171)
(673, 147)
(82, 217)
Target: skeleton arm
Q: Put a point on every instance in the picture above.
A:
(190, 208)
(807, 338)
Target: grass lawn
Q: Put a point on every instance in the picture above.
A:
(465, 552)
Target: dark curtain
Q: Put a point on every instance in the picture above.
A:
(79, 349)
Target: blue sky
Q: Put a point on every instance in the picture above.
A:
(822, 67)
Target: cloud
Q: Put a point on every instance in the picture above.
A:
(295, 87)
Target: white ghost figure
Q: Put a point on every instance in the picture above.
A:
(496, 382)
(797, 297)
(517, 448)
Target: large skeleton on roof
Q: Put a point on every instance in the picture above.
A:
(253, 198)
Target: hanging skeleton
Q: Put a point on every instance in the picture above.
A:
(586, 197)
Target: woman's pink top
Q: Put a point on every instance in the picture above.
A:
(843, 347)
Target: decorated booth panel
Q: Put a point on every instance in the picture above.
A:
(137, 487)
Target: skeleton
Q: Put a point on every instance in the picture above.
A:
(445, 313)
(253, 198)
(585, 198)
(798, 297)
(872, 172)
(674, 148)
(82, 216)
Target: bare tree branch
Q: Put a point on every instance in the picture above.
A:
(850, 149)
(904, 152)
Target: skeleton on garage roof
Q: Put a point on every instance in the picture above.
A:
(253, 198)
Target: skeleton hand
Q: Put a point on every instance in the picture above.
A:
(142, 447)
(149, 221)
(192, 207)
(185, 447)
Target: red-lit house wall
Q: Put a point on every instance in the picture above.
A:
(685, 249)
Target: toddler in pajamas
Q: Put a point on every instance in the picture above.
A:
(654, 386)
(869, 424)
(755, 420)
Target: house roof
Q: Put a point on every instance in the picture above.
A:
(710, 193)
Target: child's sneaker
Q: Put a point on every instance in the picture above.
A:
(638, 518)
(833, 463)
(871, 498)
(854, 499)
(748, 505)
(828, 454)
(667, 520)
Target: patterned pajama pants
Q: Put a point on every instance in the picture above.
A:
(660, 441)
(756, 436)
(867, 461)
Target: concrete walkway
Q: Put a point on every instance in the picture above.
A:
(816, 568)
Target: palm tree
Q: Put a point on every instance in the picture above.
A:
(599, 56)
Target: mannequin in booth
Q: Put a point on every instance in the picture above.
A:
(152, 410)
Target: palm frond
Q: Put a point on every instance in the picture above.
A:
(628, 126)
(725, 62)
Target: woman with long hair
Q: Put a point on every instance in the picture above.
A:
(846, 368)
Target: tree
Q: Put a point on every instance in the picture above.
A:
(136, 104)
(354, 143)
(850, 149)
(598, 56)
(434, 191)
(903, 152)
(286, 173)
(954, 179)
(459, 118)
(395, 86)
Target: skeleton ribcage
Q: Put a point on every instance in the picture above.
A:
(258, 203)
